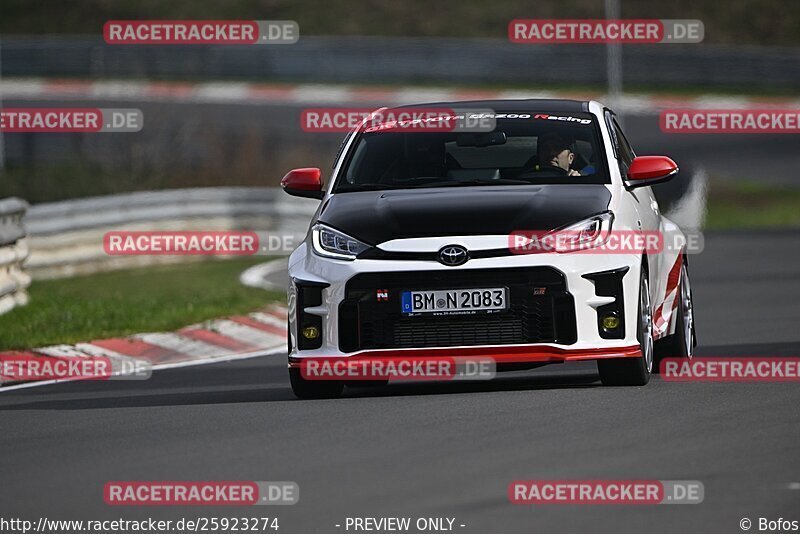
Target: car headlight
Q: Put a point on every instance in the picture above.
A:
(588, 233)
(332, 243)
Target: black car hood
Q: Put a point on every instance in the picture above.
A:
(378, 216)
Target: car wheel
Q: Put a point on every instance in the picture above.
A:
(680, 344)
(314, 389)
(634, 371)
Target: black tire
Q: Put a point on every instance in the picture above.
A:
(633, 371)
(314, 389)
(679, 344)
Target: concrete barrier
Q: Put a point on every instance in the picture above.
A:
(13, 252)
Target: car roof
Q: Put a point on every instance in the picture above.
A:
(527, 104)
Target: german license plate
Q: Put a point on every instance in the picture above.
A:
(455, 301)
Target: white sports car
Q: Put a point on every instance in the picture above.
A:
(421, 247)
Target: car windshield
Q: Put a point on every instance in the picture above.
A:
(535, 148)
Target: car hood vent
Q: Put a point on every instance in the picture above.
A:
(378, 216)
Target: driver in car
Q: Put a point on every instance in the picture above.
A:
(556, 152)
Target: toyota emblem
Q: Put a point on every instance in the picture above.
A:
(453, 255)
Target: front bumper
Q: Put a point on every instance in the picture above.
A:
(586, 341)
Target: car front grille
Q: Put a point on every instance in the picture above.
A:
(540, 310)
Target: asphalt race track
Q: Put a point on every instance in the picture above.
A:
(449, 450)
(442, 450)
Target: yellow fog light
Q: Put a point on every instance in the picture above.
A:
(610, 322)
(311, 332)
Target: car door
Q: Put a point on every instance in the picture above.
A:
(643, 200)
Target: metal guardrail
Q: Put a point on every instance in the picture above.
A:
(66, 238)
(13, 252)
(407, 60)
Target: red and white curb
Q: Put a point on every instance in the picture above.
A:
(233, 338)
(316, 94)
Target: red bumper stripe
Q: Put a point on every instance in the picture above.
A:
(513, 354)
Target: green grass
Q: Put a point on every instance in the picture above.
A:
(743, 205)
(126, 302)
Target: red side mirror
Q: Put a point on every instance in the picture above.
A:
(304, 182)
(648, 170)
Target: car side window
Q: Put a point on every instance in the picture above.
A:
(622, 149)
(626, 153)
(341, 149)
